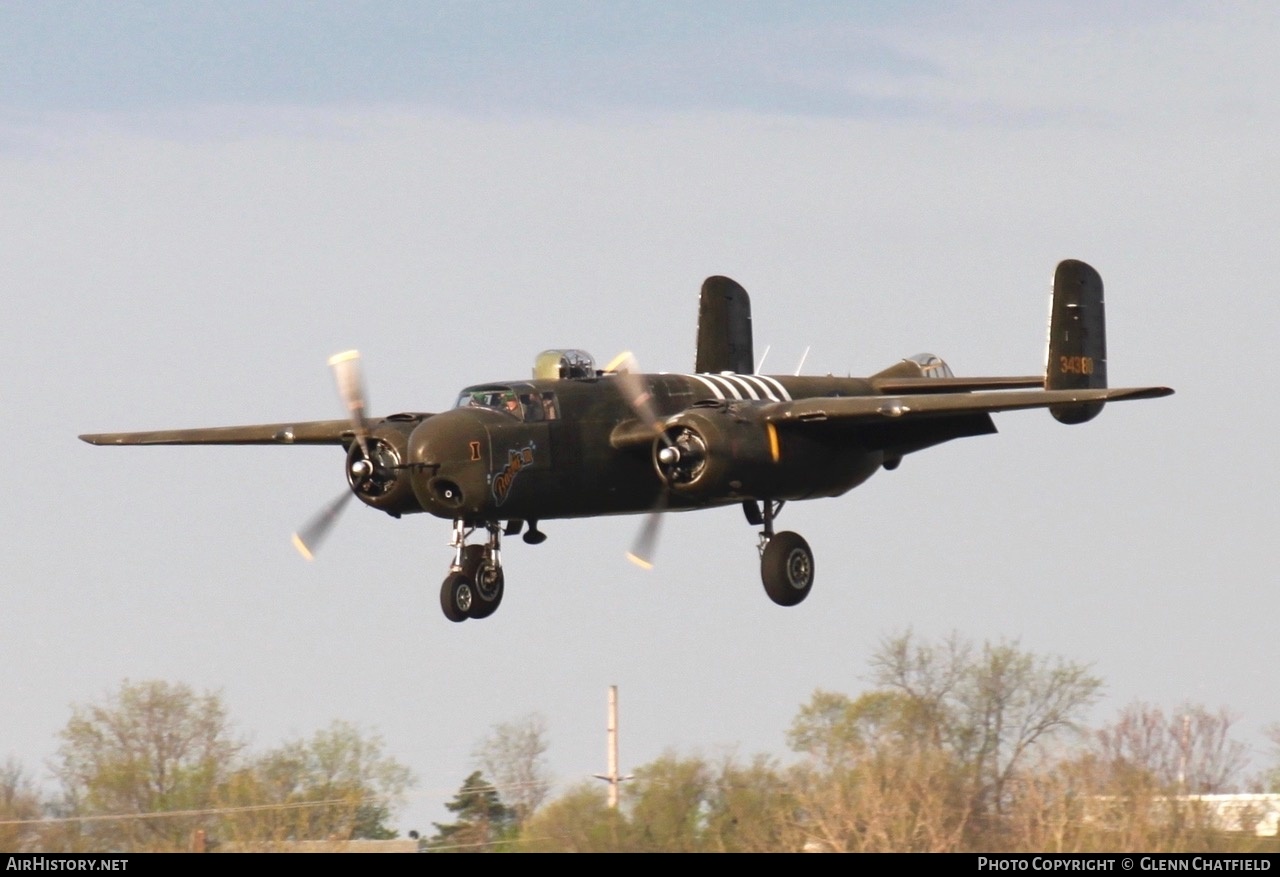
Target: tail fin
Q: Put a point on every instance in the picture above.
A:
(1077, 358)
(724, 328)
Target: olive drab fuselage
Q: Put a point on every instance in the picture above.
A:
(483, 463)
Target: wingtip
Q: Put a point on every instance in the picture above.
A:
(1148, 392)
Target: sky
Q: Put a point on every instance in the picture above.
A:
(199, 203)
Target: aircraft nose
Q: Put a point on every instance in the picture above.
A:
(447, 453)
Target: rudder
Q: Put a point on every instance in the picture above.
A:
(1077, 358)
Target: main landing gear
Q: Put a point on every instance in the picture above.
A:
(473, 588)
(786, 561)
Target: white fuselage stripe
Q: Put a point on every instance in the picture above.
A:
(739, 387)
(728, 386)
(710, 386)
(777, 385)
(762, 386)
(741, 383)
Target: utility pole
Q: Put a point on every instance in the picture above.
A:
(612, 777)
(1184, 746)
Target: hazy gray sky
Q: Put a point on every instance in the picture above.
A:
(200, 203)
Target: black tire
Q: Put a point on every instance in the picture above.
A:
(487, 584)
(456, 596)
(472, 557)
(786, 567)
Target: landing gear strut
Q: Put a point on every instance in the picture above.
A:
(786, 561)
(474, 586)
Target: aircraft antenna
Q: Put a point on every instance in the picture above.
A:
(763, 357)
(802, 359)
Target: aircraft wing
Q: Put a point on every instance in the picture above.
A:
(314, 432)
(851, 409)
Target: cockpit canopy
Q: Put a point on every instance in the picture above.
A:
(930, 366)
(564, 365)
(520, 401)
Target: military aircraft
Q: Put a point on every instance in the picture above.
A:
(578, 441)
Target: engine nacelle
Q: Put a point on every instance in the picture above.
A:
(729, 450)
(382, 480)
(717, 451)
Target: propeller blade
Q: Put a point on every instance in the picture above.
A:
(642, 550)
(626, 373)
(308, 539)
(346, 370)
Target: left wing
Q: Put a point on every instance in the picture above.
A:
(852, 409)
(313, 432)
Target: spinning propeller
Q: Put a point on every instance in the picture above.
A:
(627, 378)
(346, 371)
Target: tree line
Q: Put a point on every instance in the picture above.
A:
(954, 747)
(156, 767)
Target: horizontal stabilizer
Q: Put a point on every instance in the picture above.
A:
(862, 408)
(955, 385)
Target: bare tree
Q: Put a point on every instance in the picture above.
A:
(992, 709)
(1188, 750)
(1273, 776)
(513, 756)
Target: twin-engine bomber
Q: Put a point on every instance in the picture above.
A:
(579, 441)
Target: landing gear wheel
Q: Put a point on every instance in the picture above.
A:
(486, 582)
(456, 596)
(786, 566)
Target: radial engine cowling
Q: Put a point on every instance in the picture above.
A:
(718, 451)
(381, 480)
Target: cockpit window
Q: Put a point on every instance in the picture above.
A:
(522, 403)
(550, 408)
(497, 399)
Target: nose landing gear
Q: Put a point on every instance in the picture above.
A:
(474, 586)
